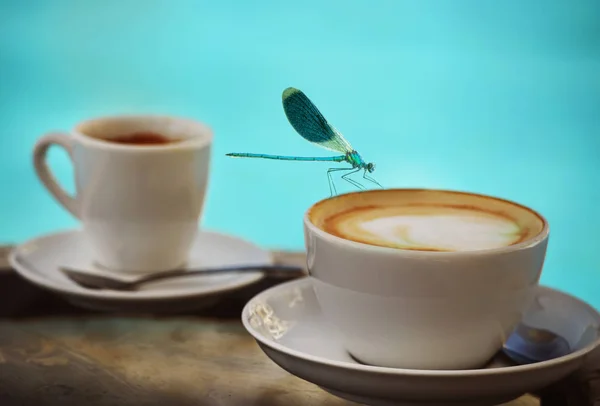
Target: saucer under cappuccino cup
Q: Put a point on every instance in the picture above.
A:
(424, 279)
(140, 187)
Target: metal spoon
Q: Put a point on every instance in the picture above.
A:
(527, 345)
(95, 281)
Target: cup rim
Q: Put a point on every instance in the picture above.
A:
(530, 242)
(194, 142)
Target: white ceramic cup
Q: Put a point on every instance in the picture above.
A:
(139, 204)
(420, 309)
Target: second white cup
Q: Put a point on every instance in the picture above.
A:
(139, 202)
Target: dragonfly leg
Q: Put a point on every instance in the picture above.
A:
(367, 177)
(352, 181)
(332, 188)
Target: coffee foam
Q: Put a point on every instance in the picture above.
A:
(426, 220)
(427, 228)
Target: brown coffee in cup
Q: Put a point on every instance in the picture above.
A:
(142, 138)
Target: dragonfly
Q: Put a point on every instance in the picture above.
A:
(308, 121)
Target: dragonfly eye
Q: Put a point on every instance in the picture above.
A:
(370, 167)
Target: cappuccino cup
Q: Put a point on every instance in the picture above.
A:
(424, 279)
(140, 187)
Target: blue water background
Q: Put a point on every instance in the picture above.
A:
(486, 96)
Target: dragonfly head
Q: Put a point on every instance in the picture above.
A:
(370, 167)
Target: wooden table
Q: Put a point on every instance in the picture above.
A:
(54, 354)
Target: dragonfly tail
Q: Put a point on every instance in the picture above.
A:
(339, 158)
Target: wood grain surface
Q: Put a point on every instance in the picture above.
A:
(54, 354)
(132, 361)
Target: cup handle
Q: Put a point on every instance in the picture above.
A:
(43, 171)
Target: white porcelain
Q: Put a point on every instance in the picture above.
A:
(290, 327)
(420, 309)
(139, 205)
(39, 260)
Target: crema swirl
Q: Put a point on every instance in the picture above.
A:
(426, 220)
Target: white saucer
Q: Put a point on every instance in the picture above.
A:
(39, 260)
(288, 325)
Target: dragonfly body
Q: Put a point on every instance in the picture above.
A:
(308, 121)
(354, 159)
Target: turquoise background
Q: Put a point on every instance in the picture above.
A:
(486, 96)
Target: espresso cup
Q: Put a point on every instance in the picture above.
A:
(424, 279)
(140, 187)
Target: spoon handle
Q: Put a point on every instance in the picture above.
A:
(276, 271)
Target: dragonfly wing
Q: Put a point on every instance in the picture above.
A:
(308, 121)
